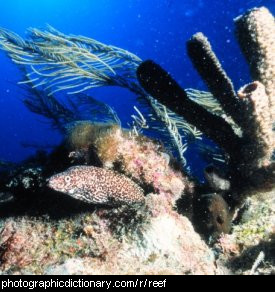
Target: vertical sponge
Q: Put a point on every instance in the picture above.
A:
(255, 31)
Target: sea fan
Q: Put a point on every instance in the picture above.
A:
(72, 63)
(78, 107)
(57, 62)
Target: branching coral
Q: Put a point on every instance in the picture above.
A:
(251, 110)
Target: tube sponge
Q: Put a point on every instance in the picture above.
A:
(249, 151)
(255, 31)
(257, 124)
(158, 83)
(210, 69)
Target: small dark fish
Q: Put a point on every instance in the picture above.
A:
(212, 215)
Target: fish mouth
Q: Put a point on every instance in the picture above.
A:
(50, 184)
(55, 186)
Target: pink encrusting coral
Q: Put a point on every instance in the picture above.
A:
(143, 160)
(146, 238)
(20, 245)
(139, 158)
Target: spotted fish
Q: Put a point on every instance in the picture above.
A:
(97, 185)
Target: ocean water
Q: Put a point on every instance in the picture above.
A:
(155, 29)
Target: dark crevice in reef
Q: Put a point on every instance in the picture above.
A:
(27, 185)
(243, 261)
(44, 203)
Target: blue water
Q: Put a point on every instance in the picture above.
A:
(151, 29)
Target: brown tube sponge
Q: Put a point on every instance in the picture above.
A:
(159, 84)
(210, 69)
(255, 31)
(257, 124)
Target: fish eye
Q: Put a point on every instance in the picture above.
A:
(220, 220)
(67, 179)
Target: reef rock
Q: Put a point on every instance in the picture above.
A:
(167, 245)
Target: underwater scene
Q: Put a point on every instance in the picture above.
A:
(137, 137)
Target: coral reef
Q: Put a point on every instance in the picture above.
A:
(117, 239)
(112, 201)
(249, 151)
(155, 253)
(148, 238)
(138, 157)
(30, 244)
(41, 247)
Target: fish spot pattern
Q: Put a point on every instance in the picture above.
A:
(97, 185)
